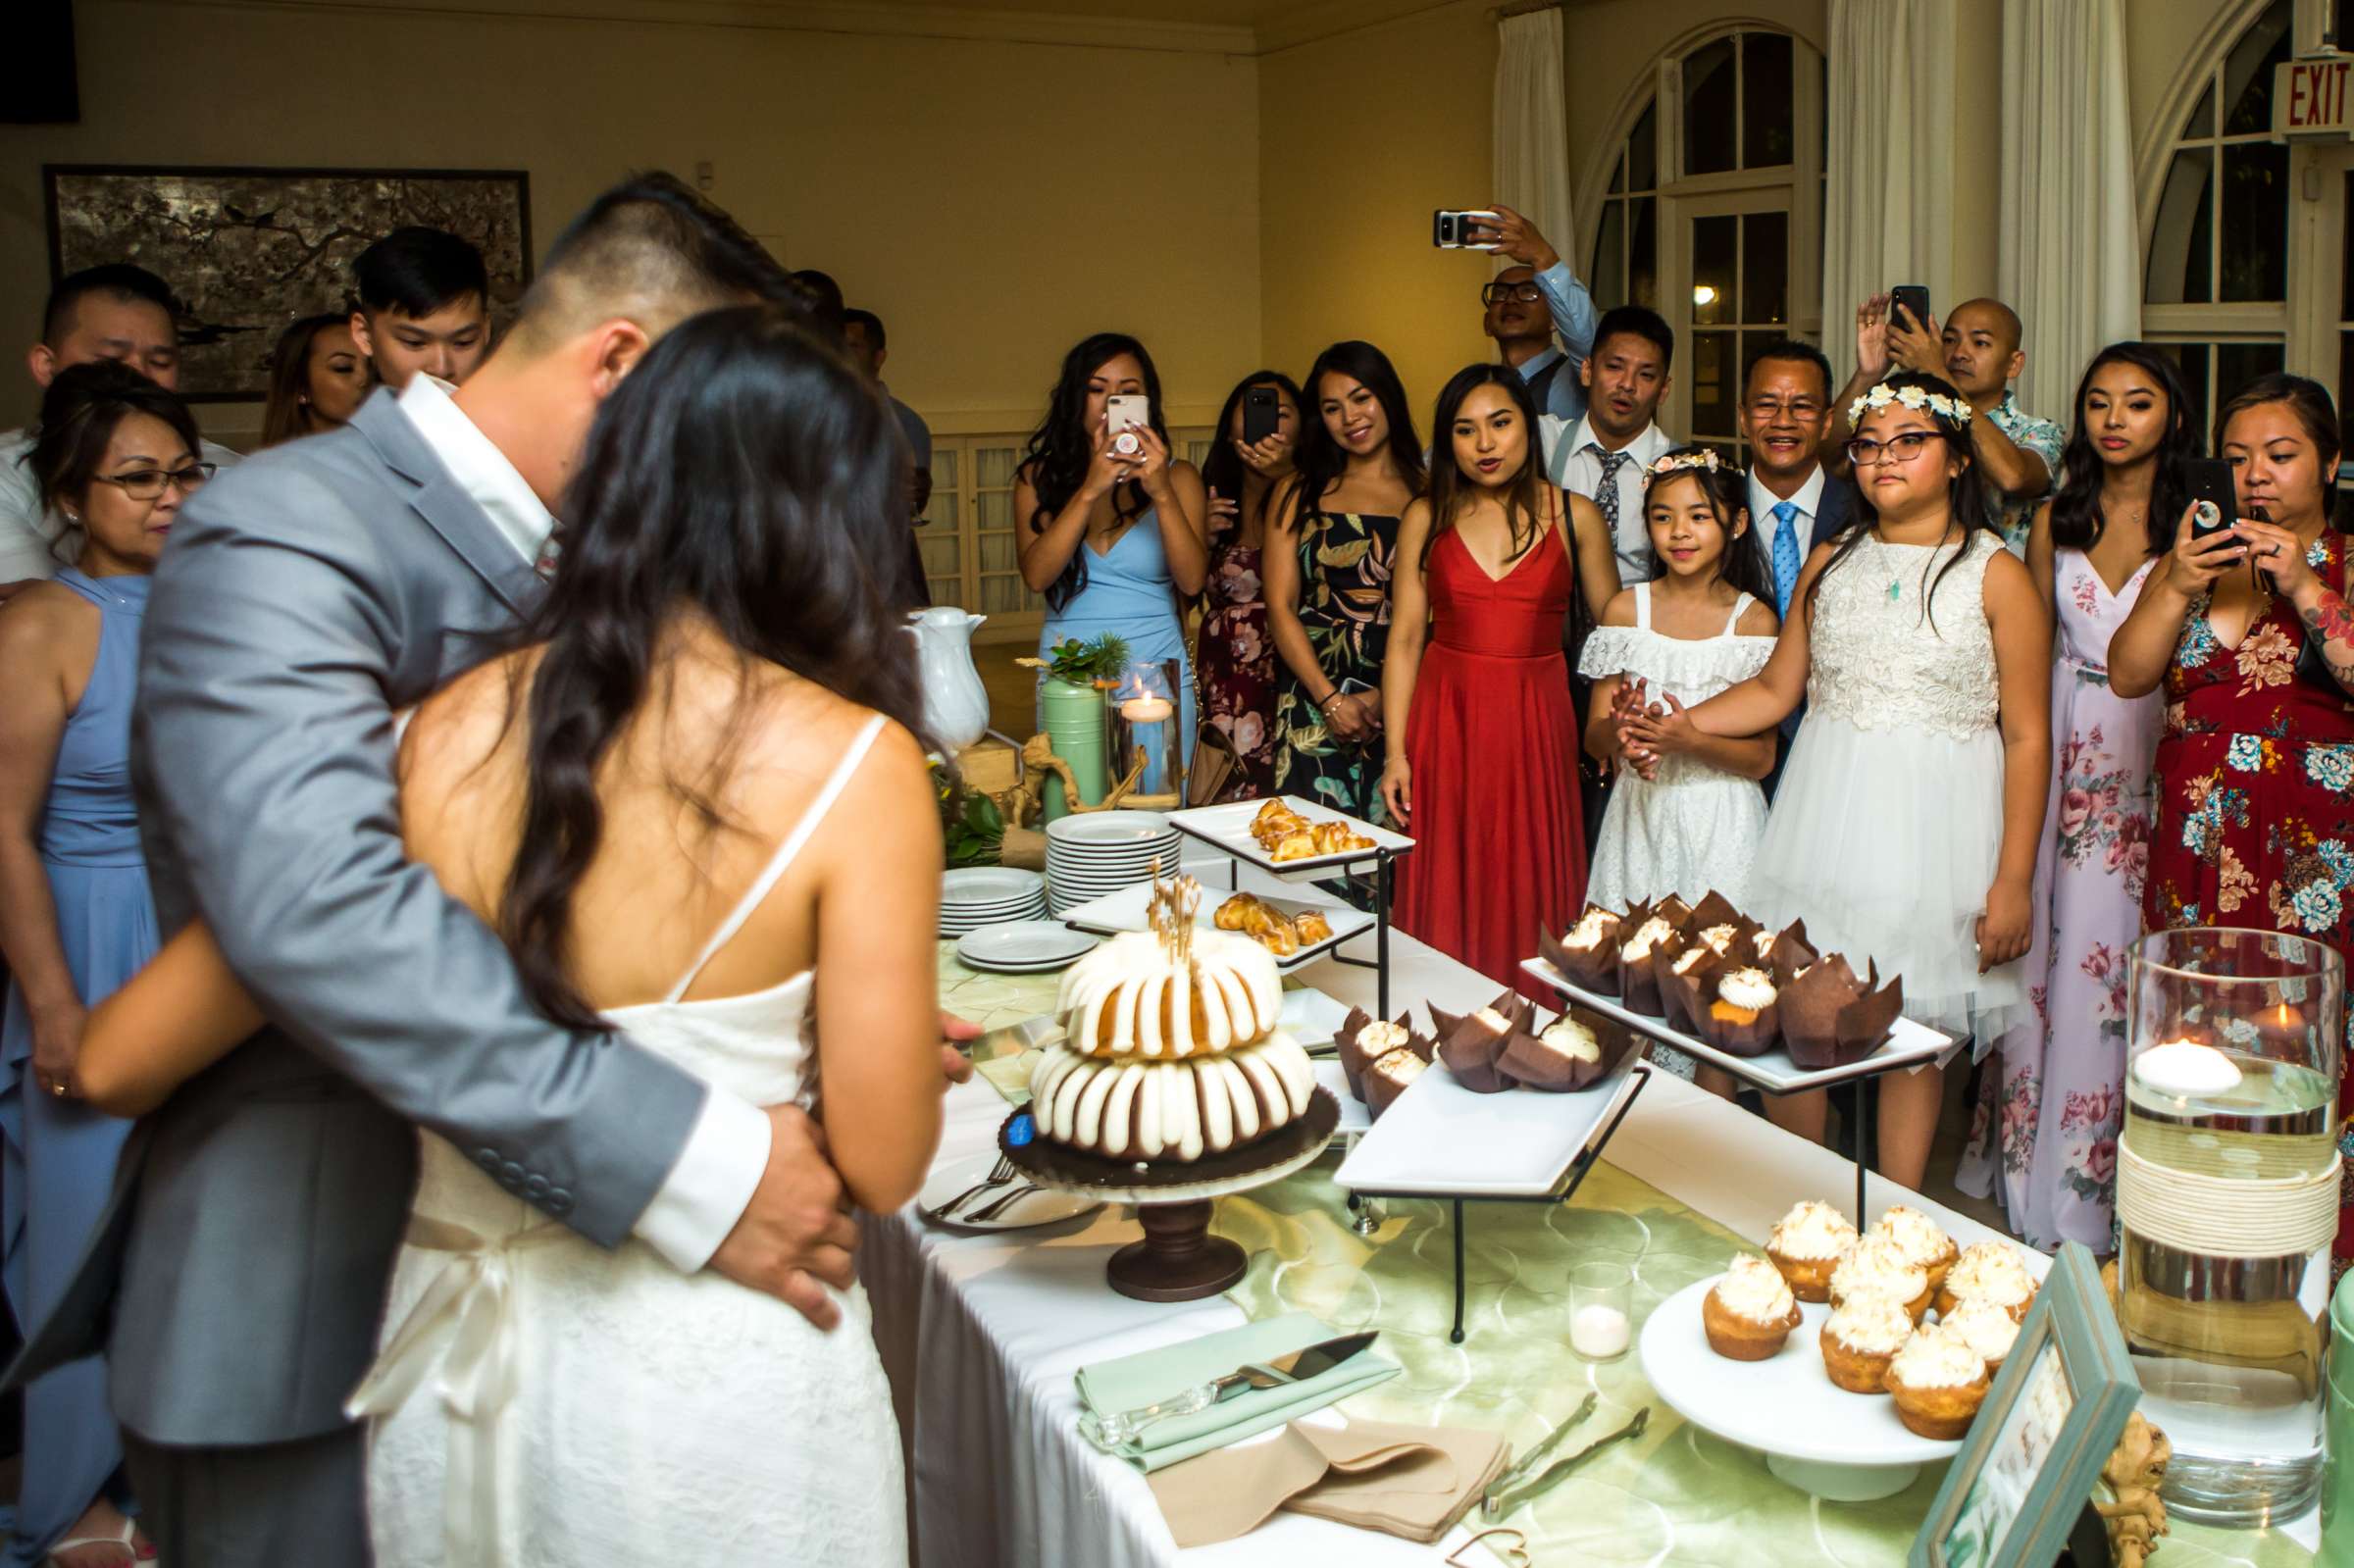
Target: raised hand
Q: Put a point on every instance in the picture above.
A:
(1871, 337)
(1515, 236)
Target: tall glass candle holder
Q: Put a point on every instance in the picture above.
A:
(1146, 712)
(2227, 1197)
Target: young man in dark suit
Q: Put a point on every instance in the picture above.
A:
(1795, 503)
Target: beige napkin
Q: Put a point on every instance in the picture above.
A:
(1409, 1481)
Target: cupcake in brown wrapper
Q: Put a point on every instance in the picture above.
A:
(1714, 909)
(1743, 1018)
(1364, 1040)
(1643, 929)
(1587, 953)
(1680, 984)
(1789, 956)
(1662, 965)
(1387, 1078)
(1473, 1048)
(1567, 1055)
(1833, 1018)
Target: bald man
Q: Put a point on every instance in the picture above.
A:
(1978, 349)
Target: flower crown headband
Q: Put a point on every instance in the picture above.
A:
(1678, 462)
(1912, 397)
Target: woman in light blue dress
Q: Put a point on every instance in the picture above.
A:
(1114, 538)
(115, 456)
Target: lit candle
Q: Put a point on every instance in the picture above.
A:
(1597, 1332)
(1144, 714)
(2185, 1067)
(2282, 1027)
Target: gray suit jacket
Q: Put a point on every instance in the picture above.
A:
(305, 597)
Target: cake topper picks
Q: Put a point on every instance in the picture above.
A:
(1171, 910)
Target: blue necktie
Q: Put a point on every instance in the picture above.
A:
(1785, 555)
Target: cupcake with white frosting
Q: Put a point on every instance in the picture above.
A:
(1750, 1312)
(1806, 1245)
(1938, 1381)
(1993, 1271)
(1876, 1265)
(1923, 1240)
(1860, 1338)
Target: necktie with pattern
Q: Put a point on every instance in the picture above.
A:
(1605, 494)
(1785, 555)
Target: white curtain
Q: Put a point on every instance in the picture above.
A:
(1887, 216)
(2069, 242)
(1532, 125)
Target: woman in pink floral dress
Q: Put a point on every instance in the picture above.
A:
(2044, 1140)
(1236, 659)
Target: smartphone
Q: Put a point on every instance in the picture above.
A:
(1262, 414)
(2209, 479)
(1914, 300)
(1460, 231)
(1127, 411)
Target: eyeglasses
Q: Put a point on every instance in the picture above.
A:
(1498, 293)
(147, 483)
(1863, 451)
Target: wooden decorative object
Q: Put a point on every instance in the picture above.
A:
(2134, 1473)
(1039, 762)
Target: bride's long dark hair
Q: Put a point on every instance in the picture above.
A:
(741, 472)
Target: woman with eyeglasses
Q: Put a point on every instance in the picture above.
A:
(115, 455)
(1905, 827)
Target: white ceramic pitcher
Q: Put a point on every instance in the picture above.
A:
(955, 703)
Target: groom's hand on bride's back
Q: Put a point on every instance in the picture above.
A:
(795, 1231)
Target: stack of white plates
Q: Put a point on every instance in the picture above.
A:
(1024, 947)
(974, 897)
(1102, 851)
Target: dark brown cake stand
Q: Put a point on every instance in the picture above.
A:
(1178, 1260)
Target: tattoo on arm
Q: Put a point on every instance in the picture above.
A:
(2331, 623)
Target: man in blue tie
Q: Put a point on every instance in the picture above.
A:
(1794, 503)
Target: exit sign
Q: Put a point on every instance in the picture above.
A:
(2309, 97)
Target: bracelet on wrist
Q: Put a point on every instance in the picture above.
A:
(1329, 698)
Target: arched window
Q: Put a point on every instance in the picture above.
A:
(1707, 208)
(2216, 283)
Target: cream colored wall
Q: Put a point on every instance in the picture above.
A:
(993, 201)
(1362, 135)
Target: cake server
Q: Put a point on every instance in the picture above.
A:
(1523, 1467)
(1296, 1366)
(1497, 1504)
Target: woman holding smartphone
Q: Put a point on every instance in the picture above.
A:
(1115, 527)
(1332, 530)
(1258, 431)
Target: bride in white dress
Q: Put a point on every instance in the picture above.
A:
(690, 799)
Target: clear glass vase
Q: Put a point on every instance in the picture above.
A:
(2228, 1192)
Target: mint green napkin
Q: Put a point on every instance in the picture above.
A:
(1110, 1386)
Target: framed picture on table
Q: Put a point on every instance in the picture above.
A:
(2031, 1460)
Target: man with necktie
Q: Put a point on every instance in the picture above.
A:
(1794, 503)
(1605, 453)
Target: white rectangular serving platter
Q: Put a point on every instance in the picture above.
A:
(1228, 826)
(1439, 1140)
(1775, 1072)
(1126, 910)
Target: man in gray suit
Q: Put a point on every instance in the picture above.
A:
(316, 591)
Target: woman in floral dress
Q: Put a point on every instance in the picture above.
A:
(2044, 1141)
(2254, 776)
(1333, 529)
(1236, 657)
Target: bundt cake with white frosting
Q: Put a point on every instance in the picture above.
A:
(1170, 1048)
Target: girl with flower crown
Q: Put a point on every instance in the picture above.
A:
(1905, 827)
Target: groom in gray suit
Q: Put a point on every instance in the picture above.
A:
(315, 591)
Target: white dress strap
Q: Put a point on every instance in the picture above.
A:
(1740, 607)
(1643, 606)
(786, 850)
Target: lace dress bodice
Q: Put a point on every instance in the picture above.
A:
(1881, 663)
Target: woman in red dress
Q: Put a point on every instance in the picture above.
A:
(2255, 772)
(1483, 747)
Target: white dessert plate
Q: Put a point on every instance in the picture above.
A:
(1785, 1407)
(988, 886)
(1441, 1140)
(1773, 1072)
(1121, 828)
(1023, 946)
(1312, 1018)
(1039, 1206)
(1126, 910)
(1228, 826)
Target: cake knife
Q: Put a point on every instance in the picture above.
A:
(1296, 1366)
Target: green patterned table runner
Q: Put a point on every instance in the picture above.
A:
(1679, 1496)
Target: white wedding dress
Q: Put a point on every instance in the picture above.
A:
(539, 1402)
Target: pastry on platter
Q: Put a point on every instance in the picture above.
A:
(1743, 1019)
(1278, 932)
(1563, 1056)
(1859, 1340)
(1749, 1314)
(1312, 927)
(1806, 1245)
(1938, 1381)
(1925, 1241)
(1362, 1039)
(1987, 1328)
(1300, 845)
(1833, 1018)
(1638, 982)
(1133, 995)
(1473, 1048)
(1993, 1271)
(1275, 822)
(1587, 954)
(1877, 1265)
(1338, 838)
(1387, 1078)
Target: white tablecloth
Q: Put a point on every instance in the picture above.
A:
(982, 1333)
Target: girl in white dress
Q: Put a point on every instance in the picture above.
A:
(1686, 811)
(1905, 827)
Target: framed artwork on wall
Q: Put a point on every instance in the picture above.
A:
(248, 250)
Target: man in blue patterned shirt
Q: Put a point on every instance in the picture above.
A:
(1542, 319)
(1978, 350)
